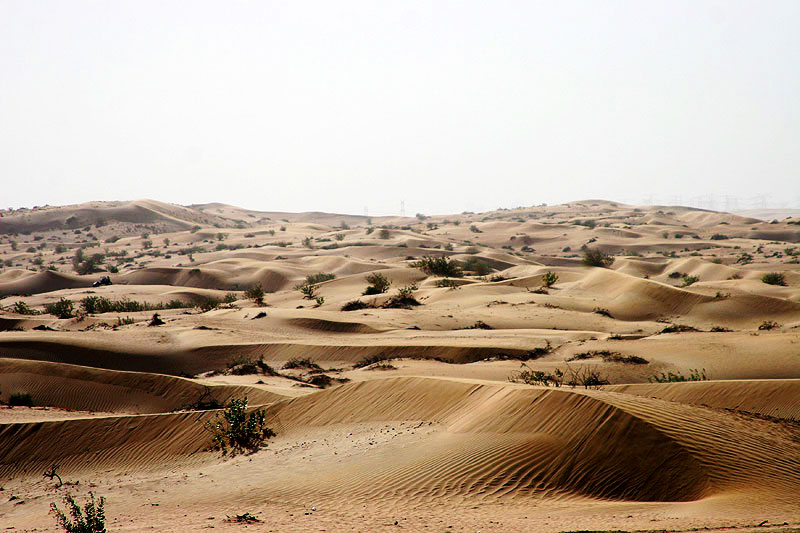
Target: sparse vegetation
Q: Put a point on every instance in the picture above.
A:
(441, 266)
(596, 258)
(63, 308)
(319, 277)
(378, 284)
(256, 294)
(308, 291)
(549, 279)
(355, 305)
(89, 519)
(20, 399)
(669, 377)
(768, 325)
(774, 278)
(237, 430)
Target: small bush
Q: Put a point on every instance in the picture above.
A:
(689, 280)
(768, 325)
(595, 258)
(308, 291)
(447, 284)
(319, 277)
(297, 362)
(719, 237)
(669, 377)
(90, 519)
(256, 294)
(384, 234)
(21, 308)
(355, 305)
(22, 399)
(60, 309)
(236, 430)
(439, 266)
(378, 284)
(549, 279)
(678, 328)
(602, 311)
(774, 278)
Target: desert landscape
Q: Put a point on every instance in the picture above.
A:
(590, 366)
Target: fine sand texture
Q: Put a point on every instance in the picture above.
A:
(525, 389)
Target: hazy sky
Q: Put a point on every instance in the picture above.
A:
(338, 105)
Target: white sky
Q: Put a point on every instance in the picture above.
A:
(338, 105)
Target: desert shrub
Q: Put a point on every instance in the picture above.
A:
(297, 362)
(720, 329)
(371, 360)
(774, 278)
(60, 309)
(90, 519)
(678, 328)
(477, 266)
(549, 279)
(339, 236)
(447, 284)
(125, 321)
(384, 234)
(768, 325)
(320, 277)
(237, 430)
(719, 237)
(87, 264)
(675, 275)
(308, 290)
(439, 266)
(689, 280)
(320, 380)
(22, 399)
(474, 229)
(207, 304)
(355, 305)
(480, 324)
(669, 377)
(378, 284)
(404, 299)
(256, 294)
(21, 308)
(602, 311)
(596, 258)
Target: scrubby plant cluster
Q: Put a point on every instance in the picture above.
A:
(236, 430)
(89, 519)
(441, 266)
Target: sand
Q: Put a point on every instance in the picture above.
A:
(439, 437)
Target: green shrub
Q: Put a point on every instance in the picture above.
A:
(20, 399)
(236, 430)
(596, 258)
(60, 309)
(90, 519)
(404, 299)
(549, 279)
(774, 278)
(719, 237)
(308, 290)
(255, 293)
(21, 308)
(768, 325)
(447, 284)
(669, 377)
(689, 280)
(378, 284)
(355, 305)
(477, 266)
(475, 229)
(439, 266)
(320, 277)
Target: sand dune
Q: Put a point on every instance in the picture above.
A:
(409, 414)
